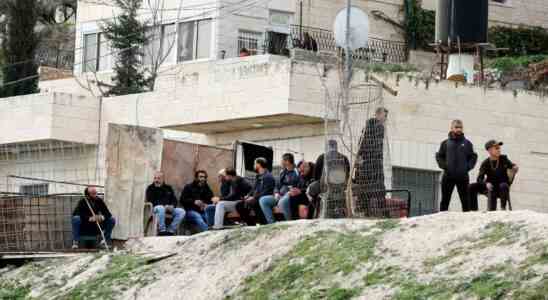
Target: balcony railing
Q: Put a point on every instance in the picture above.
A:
(377, 50)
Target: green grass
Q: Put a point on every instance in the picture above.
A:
(317, 260)
(491, 285)
(411, 289)
(386, 225)
(380, 276)
(514, 63)
(498, 233)
(13, 290)
(432, 262)
(241, 236)
(122, 272)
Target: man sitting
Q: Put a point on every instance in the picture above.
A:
(493, 178)
(289, 180)
(239, 188)
(162, 198)
(264, 187)
(195, 198)
(90, 213)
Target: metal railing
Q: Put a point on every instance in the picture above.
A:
(55, 58)
(377, 50)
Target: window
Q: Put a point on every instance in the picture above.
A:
(278, 18)
(194, 40)
(90, 62)
(250, 40)
(422, 184)
(96, 52)
(34, 189)
(161, 44)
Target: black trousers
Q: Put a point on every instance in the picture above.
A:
(244, 209)
(448, 185)
(501, 191)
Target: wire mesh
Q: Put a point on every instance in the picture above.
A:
(357, 177)
(36, 223)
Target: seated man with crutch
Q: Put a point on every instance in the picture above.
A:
(90, 218)
(493, 178)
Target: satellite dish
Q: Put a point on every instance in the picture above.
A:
(359, 28)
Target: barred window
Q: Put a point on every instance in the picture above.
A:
(250, 40)
(34, 189)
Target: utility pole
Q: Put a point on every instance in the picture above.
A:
(348, 56)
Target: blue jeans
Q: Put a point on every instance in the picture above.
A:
(285, 205)
(178, 215)
(210, 214)
(267, 203)
(107, 226)
(198, 219)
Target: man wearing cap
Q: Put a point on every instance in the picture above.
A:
(456, 157)
(493, 178)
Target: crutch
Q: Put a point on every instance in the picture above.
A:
(104, 241)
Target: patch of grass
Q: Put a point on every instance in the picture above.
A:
(242, 236)
(538, 291)
(318, 259)
(13, 290)
(386, 225)
(380, 276)
(411, 289)
(391, 68)
(122, 272)
(498, 233)
(430, 263)
(490, 285)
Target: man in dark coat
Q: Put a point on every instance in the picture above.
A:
(456, 157)
(493, 178)
(264, 187)
(196, 196)
(369, 173)
(162, 197)
(91, 210)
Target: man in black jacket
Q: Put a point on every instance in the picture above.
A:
(239, 188)
(195, 198)
(264, 187)
(163, 199)
(493, 178)
(84, 221)
(456, 157)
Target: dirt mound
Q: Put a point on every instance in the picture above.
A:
(500, 255)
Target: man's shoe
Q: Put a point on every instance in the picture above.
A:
(163, 233)
(75, 245)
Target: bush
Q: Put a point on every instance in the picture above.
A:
(509, 64)
(519, 41)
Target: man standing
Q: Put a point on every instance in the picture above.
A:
(91, 211)
(163, 200)
(369, 174)
(239, 188)
(264, 187)
(289, 179)
(493, 178)
(195, 198)
(456, 157)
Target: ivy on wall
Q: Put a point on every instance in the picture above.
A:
(519, 41)
(420, 25)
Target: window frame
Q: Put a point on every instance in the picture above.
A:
(195, 40)
(260, 41)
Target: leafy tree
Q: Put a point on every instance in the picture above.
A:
(20, 72)
(127, 36)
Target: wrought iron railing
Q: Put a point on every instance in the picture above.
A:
(55, 58)
(377, 50)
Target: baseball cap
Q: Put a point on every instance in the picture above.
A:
(493, 143)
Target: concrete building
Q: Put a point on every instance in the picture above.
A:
(266, 98)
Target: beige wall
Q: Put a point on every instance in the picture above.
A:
(47, 116)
